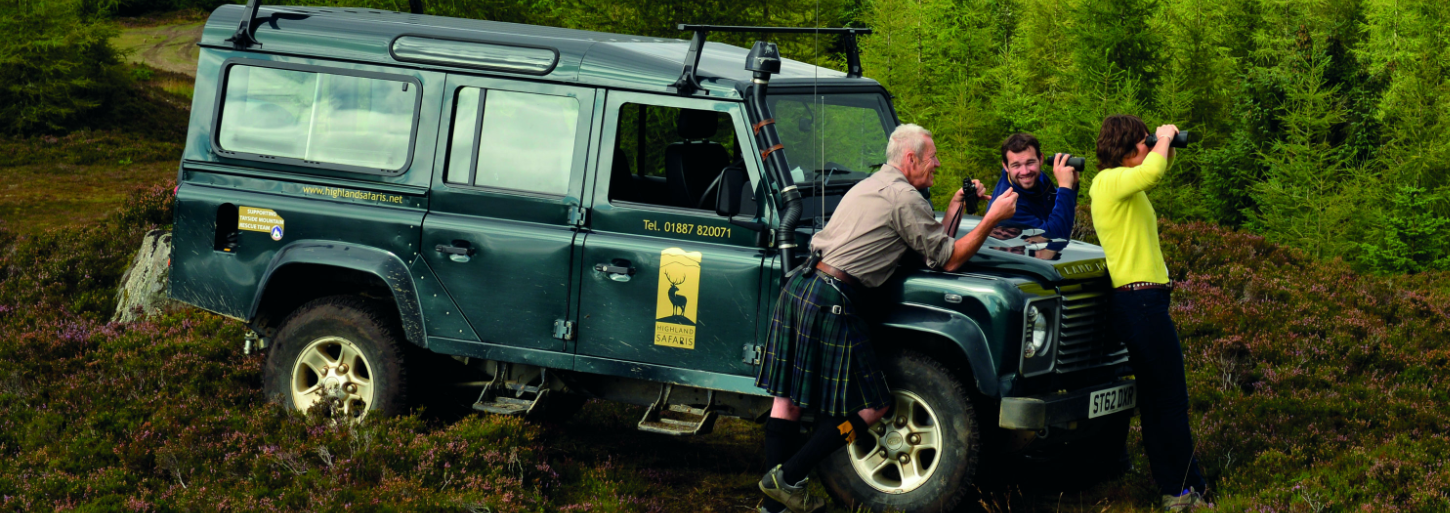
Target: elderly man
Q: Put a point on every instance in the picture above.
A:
(818, 355)
(1039, 203)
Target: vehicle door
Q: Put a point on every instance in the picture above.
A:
(502, 223)
(666, 280)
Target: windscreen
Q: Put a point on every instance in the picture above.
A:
(832, 141)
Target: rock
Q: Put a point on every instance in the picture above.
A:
(143, 287)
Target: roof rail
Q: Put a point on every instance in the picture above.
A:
(245, 36)
(689, 82)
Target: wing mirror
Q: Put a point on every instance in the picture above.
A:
(727, 199)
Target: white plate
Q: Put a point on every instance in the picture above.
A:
(1112, 400)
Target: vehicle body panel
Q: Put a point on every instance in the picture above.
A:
(516, 284)
(639, 317)
(229, 282)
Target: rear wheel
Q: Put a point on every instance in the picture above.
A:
(919, 459)
(341, 351)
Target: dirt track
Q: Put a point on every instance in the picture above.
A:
(166, 47)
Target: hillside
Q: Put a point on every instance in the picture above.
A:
(1314, 387)
(1311, 385)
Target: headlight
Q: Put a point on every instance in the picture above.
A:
(1038, 333)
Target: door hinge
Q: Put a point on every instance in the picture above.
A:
(579, 216)
(751, 354)
(563, 330)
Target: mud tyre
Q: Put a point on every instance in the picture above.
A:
(930, 471)
(346, 352)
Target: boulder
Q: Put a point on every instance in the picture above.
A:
(143, 287)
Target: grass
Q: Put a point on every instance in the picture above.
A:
(168, 414)
(1313, 389)
(38, 197)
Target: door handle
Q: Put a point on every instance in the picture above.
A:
(616, 272)
(459, 251)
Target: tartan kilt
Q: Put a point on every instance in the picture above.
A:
(817, 358)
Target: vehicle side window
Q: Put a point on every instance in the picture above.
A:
(671, 156)
(525, 141)
(465, 131)
(318, 118)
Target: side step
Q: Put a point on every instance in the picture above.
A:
(695, 421)
(526, 398)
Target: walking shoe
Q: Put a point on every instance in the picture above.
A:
(793, 496)
(1189, 500)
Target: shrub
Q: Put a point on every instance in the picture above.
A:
(1409, 236)
(56, 68)
(1308, 382)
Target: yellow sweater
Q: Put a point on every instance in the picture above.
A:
(1126, 223)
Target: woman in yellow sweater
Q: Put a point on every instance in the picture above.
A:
(1128, 229)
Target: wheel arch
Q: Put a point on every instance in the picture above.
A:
(950, 336)
(308, 269)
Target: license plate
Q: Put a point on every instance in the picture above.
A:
(1112, 400)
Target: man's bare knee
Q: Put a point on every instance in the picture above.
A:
(871, 416)
(783, 409)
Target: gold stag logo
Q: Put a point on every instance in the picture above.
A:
(679, 293)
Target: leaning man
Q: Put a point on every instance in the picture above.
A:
(1128, 230)
(1040, 204)
(817, 354)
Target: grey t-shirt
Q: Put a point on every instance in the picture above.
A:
(875, 223)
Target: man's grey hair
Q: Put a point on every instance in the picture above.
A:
(909, 137)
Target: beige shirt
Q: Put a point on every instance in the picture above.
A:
(875, 223)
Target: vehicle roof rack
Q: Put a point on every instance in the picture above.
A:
(246, 34)
(245, 37)
(689, 82)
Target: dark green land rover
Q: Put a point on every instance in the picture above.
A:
(575, 214)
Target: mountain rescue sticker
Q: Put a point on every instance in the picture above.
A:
(263, 220)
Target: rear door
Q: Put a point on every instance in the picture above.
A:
(503, 216)
(664, 279)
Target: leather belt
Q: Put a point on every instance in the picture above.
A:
(1145, 285)
(838, 274)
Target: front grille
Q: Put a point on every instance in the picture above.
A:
(1085, 339)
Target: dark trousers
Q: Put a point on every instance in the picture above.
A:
(1142, 320)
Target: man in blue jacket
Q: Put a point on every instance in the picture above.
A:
(1039, 204)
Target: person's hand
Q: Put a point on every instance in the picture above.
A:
(959, 196)
(981, 190)
(1165, 135)
(1066, 176)
(1004, 208)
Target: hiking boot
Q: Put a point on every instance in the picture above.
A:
(793, 496)
(1189, 500)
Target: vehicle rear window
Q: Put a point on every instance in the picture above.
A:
(318, 118)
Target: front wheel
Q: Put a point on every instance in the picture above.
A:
(919, 459)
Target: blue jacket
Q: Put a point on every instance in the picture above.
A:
(1041, 207)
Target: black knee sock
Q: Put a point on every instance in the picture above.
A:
(782, 439)
(831, 433)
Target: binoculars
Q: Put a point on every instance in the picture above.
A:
(1180, 140)
(1076, 163)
